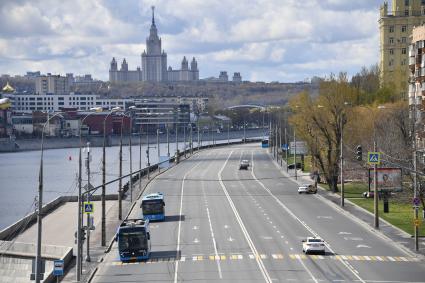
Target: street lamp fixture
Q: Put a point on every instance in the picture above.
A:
(40, 205)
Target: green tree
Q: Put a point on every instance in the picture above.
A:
(320, 121)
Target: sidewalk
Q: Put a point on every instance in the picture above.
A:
(112, 222)
(362, 216)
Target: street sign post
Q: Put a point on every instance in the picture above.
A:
(58, 267)
(374, 158)
(88, 207)
(416, 202)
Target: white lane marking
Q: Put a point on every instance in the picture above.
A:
(363, 246)
(230, 239)
(195, 228)
(217, 258)
(347, 265)
(260, 263)
(196, 241)
(180, 219)
(344, 233)
(226, 226)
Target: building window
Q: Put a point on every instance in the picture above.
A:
(403, 62)
(403, 40)
(61, 103)
(391, 28)
(403, 51)
(391, 51)
(406, 2)
(391, 40)
(406, 12)
(423, 2)
(391, 62)
(403, 28)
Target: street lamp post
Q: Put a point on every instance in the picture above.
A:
(184, 138)
(168, 143)
(158, 150)
(103, 196)
(38, 258)
(140, 157)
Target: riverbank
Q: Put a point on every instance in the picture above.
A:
(97, 141)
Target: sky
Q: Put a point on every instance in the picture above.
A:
(264, 40)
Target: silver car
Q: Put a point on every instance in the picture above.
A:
(307, 189)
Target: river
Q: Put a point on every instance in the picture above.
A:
(19, 174)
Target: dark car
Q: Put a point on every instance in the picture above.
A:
(292, 166)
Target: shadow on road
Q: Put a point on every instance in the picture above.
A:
(173, 218)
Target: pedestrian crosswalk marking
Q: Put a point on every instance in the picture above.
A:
(235, 257)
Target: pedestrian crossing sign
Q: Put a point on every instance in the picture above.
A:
(374, 158)
(88, 207)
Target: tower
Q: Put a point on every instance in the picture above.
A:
(113, 71)
(154, 59)
(194, 69)
(185, 64)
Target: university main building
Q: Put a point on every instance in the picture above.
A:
(154, 64)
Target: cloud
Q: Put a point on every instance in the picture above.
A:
(273, 40)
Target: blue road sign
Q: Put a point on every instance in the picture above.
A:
(58, 267)
(374, 158)
(88, 207)
(416, 201)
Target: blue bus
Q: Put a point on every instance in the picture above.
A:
(153, 206)
(265, 143)
(134, 241)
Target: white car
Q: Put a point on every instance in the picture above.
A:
(313, 244)
(307, 189)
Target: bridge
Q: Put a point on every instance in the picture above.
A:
(247, 106)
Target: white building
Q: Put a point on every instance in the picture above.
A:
(24, 103)
(154, 64)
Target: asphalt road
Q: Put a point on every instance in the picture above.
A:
(230, 225)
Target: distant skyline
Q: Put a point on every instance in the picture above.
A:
(268, 40)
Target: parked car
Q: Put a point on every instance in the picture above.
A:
(307, 189)
(312, 244)
(244, 164)
(292, 165)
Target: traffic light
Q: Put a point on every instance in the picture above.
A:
(359, 153)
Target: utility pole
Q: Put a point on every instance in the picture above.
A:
(228, 132)
(244, 131)
(375, 189)
(88, 224)
(157, 145)
(184, 138)
(120, 176)
(286, 150)
(270, 135)
(295, 156)
(103, 228)
(168, 143)
(342, 164)
(177, 139)
(131, 162)
(280, 143)
(140, 157)
(147, 150)
(415, 180)
(38, 258)
(191, 139)
(199, 136)
(276, 149)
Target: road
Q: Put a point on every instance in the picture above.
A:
(230, 225)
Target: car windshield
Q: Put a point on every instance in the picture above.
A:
(314, 241)
(153, 207)
(132, 241)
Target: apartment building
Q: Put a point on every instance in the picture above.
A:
(395, 26)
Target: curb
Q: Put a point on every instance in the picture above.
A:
(361, 222)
